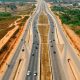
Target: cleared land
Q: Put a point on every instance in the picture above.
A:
(25, 9)
(5, 20)
(45, 58)
(5, 51)
(18, 8)
(12, 13)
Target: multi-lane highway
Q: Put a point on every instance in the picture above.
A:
(56, 66)
(58, 72)
(69, 51)
(12, 63)
(33, 64)
(16, 54)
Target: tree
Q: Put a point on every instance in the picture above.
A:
(13, 7)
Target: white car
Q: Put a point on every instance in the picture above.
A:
(35, 74)
(28, 73)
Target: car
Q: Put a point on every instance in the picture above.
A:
(22, 49)
(21, 39)
(36, 47)
(52, 32)
(28, 73)
(32, 54)
(50, 40)
(35, 74)
(54, 52)
(51, 45)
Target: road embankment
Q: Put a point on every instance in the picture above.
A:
(72, 37)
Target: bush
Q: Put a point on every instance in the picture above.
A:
(68, 16)
(77, 32)
(5, 14)
(57, 8)
(65, 18)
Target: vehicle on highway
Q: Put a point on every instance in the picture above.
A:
(22, 49)
(28, 73)
(36, 47)
(50, 40)
(35, 74)
(54, 52)
(22, 39)
(32, 54)
(51, 45)
(53, 40)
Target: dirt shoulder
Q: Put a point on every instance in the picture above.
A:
(45, 58)
(73, 38)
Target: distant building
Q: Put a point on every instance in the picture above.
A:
(65, 1)
(18, 0)
(71, 1)
(53, 0)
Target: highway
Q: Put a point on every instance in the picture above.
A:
(58, 72)
(68, 48)
(18, 50)
(34, 53)
(66, 41)
(13, 61)
(33, 63)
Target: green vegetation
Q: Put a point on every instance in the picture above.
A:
(57, 8)
(6, 19)
(77, 32)
(5, 14)
(68, 16)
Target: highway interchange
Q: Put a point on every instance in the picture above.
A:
(57, 69)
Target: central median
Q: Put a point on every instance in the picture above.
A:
(43, 28)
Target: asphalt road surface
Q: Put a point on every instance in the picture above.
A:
(33, 64)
